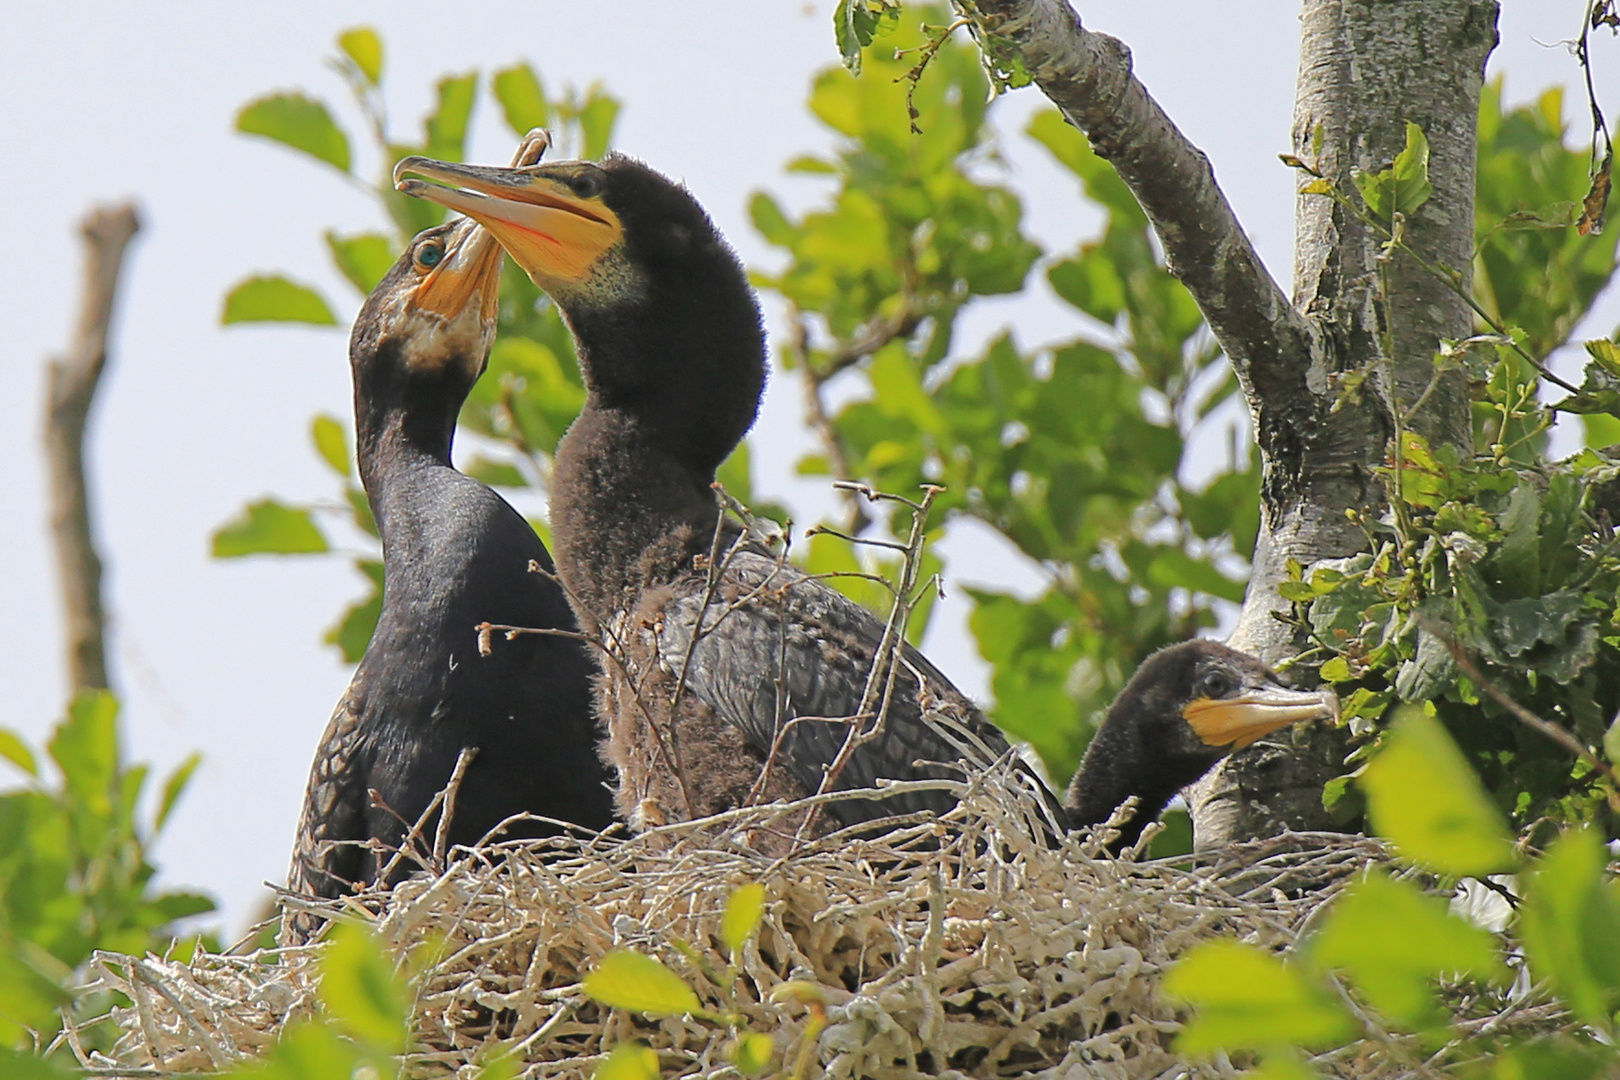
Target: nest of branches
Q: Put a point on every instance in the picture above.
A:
(975, 944)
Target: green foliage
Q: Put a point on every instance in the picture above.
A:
(74, 869)
(276, 299)
(268, 527)
(1389, 948)
(1403, 187)
(628, 980)
(299, 122)
(1052, 447)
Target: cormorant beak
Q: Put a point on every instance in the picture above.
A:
(469, 270)
(1239, 720)
(556, 235)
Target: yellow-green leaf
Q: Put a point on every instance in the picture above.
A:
(629, 1061)
(331, 442)
(522, 98)
(1571, 924)
(744, 910)
(14, 750)
(299, 122)
(751, 1053)
(629, 980)
(363, 45)
(1422, 794)
(268, 527)
(1249, 999)
(173, 788)
(360, 990)
(273, 298)
(364, 258)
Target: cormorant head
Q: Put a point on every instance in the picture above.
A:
(1185, 708)
(433, 313)
(657, 300)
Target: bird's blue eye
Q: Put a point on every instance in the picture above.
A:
(429, 255)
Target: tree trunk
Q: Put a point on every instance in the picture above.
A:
(1366, 68)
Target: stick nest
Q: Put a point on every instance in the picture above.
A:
(973, 945)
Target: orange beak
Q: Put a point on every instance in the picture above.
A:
(1239, 720)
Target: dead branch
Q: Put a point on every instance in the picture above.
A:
(72, 382)
(1088, 77)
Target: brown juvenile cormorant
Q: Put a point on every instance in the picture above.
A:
(673, 354)
(455, 555)
(1185, 708)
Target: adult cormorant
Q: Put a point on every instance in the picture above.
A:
(455, 555)
(1185, 708)
(730, 675)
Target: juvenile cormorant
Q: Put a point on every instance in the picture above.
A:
(724, 668)
(455, 555)
(1185, 708)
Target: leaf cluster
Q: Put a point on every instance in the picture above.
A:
(75, 869)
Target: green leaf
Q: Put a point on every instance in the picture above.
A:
(299, 122)
(309, 1050)
(268, 527)
(1422, 794)
(364, 258)
(752, 1051)
(447, 127)
(20, 1065)
(1394, 941)
(744, 910)
(352, 633)
(1404, 187)
(596, 122)
(360, 990)
(1570, 923)
(85, 748)
(522, 98)
(629, 1061)
(14, 750)
(629, 980)
(173, 788)
(495, 473)
(770, 220)
(363, 45)
(1246, 999)
(331, 442)
(1611, 743)
(857, 22)
(273, 298)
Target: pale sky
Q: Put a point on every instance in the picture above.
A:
(104, 101)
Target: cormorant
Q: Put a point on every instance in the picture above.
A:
(1186, 707)
(455, 555)
(723, 661)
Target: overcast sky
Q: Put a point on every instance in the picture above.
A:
(104, 101)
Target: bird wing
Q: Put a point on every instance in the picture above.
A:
(777, 645)
(334, 808)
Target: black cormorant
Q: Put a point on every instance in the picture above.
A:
(455, 555)
(719, 672)
(1186, 707)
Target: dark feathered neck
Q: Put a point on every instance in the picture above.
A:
(403, 419)
(674, 383)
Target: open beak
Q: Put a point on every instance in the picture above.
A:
(469, 271)
(554, 234)
(1240, 720)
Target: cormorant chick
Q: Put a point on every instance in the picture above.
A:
(1185, 708)
(455, 555)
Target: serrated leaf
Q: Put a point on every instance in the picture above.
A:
(331, 442)
(299, 122)
(752, 1051)
(628, 980)
(629, 1061)
(364, 258)
(268, 527)
(1570, 922)
(273, 298)
(1394, 941)
(1246, 998)
(1411, 170)
(522, 98)
(1423, 796)
(173, 788)
(744, 910)
(360, 990)
(364, 46)
(352, 633)
(14, 750)
(85, 747)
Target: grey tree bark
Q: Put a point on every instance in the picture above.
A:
(72, 381)
(1366, 68)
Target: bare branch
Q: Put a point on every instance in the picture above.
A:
(1088, 77)
(73, 377)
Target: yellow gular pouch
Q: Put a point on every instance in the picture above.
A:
(1242, 718)
(450, 315)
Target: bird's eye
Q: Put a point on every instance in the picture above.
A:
(429, 255)
(1217, 684)
(587, 185)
